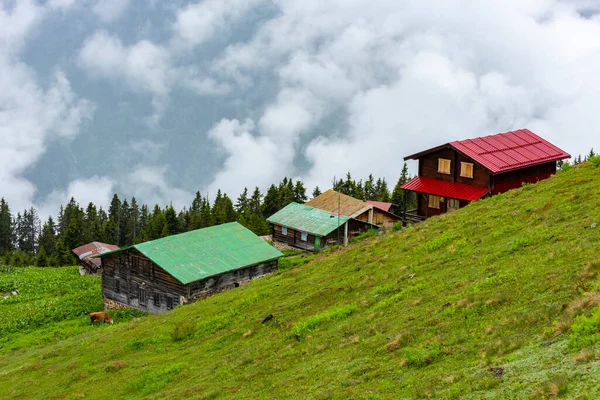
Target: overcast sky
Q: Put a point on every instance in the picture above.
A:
(158, 99)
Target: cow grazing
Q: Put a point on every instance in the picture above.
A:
(100, 316)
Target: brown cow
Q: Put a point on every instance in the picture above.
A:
(100, 316)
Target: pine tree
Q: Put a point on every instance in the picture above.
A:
(114, 214)
(133, 223)
(7, 235)
(316, 192)
(300, 193)
(73, 225)
(242, 207)
(47, 241)
(92, 226)
(398, 193)
(271, 201)
(286, 193)
(125, 231)
(370, 192)
(42, 258)
(171, 221)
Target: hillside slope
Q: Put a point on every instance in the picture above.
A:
(477, 303)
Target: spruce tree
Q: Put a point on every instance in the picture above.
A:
(271, 201)
(6, 228)
(42, 258)
(300, 193)
(316, 192)
(47, 240)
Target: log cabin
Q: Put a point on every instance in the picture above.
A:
(310, 228)
(335, 202)
(161, 274)
(87, 264)
(452, 175)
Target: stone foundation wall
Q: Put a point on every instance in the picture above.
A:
(113, 305)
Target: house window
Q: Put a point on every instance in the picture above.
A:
(169, 302)
(142, 295)
(117, 285)
(453, 204)
(284, 230)
(434, 201)
(156, 299)
(466, 170)
(303, 236)
(122, 259)
(443, 166)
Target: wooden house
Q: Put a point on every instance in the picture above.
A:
(335, 202)
(385, 206)
(87, 264)
(310, 228)
(158, 275)
(454, 174)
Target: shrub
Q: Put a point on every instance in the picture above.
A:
(183, 330)
(586, 330)
(302, 327)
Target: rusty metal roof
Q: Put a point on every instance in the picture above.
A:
(334, 202)
(452, 190)
(206, 252)
(382, 205)
(504, 152)
(91, 249)
(307, 219)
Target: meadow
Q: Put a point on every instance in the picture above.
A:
(498, 300)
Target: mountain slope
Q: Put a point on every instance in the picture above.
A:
(477, 303)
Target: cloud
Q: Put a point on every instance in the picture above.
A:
(249, 160)
(31, 114)
(97, 189)
(198, 23)
(145, 67)
(151, 187)
(109, 10)
(17, 23)
(363, 83)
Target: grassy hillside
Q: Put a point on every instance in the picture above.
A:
(49, 304)
(497, 300)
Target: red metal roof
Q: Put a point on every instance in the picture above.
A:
(505, 151)
(452, 190)
(511, 150)
(381, 205)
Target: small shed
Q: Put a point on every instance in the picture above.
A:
(311, 228)
(336, 202)
(454, 174)
(158, 275)
(87, 264)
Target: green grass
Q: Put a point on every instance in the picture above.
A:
(52, 304)
(509, 282)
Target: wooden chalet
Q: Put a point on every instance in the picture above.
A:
(310, 228)
(158, 275)
(454, 174)
(335, 202)
(87, 264)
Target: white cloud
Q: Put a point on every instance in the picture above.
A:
(398, 77)
(17, 23)
(200, 22)
(97, 189)
(31, 114)
(151, 187)
(109, 10)
(249, 159)
(145, 67)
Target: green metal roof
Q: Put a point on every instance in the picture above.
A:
(201, 253)
(307, 219)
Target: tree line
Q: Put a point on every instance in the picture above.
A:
(25, 240)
